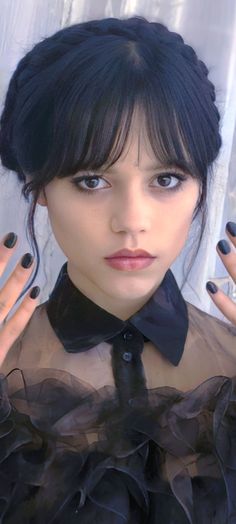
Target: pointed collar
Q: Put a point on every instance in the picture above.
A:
(81, 324)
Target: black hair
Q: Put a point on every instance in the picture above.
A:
(71, 99)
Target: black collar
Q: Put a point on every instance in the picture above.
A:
(81, 324)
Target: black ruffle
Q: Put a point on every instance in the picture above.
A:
(69, 453)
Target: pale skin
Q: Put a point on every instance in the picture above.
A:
(135, 211)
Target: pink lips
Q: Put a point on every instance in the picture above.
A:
(127, 260)
(129, 253)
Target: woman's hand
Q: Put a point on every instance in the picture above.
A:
(11, 329)
(228, 257)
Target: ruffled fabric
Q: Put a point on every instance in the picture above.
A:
(69, 453)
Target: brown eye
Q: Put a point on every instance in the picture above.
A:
(91, 183)
(87, 184)
(170, 181)
(164, 180)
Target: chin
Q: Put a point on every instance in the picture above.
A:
(131, 290)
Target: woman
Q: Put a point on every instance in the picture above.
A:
(117, 394)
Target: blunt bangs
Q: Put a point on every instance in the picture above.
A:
(83, 110)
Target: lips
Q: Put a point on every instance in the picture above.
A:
(127, 253)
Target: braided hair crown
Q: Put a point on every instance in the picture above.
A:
(53, 48)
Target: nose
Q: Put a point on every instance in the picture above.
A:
(131, 214)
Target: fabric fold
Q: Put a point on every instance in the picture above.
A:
(69, 453)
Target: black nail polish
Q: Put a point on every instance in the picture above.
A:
(224, 247)
(34, 293)
(10, 240)
(231, 228)
(211, 287)
(27, 260)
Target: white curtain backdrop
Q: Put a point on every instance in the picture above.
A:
(210, 27)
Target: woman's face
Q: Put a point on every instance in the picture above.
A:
(131, 206)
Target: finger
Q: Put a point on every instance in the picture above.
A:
(15, 325)
(228, 257)
(224, 303)
(230, 230)
(7, 247)
(14, 284)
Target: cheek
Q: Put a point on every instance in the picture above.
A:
(73, 226)
(183, 209)
(176, 225)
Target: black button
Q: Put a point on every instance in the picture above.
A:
(127, 356)
(127, 335)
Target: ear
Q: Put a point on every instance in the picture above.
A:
(42, 199)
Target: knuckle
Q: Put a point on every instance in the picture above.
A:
(3, 306)
(19, 276)
(13, 330)
(28, 307)
(18, 279)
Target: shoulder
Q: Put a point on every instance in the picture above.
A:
(211, 328)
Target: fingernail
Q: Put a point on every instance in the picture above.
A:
(231, 228)
(27, 260)
(224, 247)
(211, 287)
(34, 293)
(10, 240)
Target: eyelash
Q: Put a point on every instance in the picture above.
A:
(181, 180)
